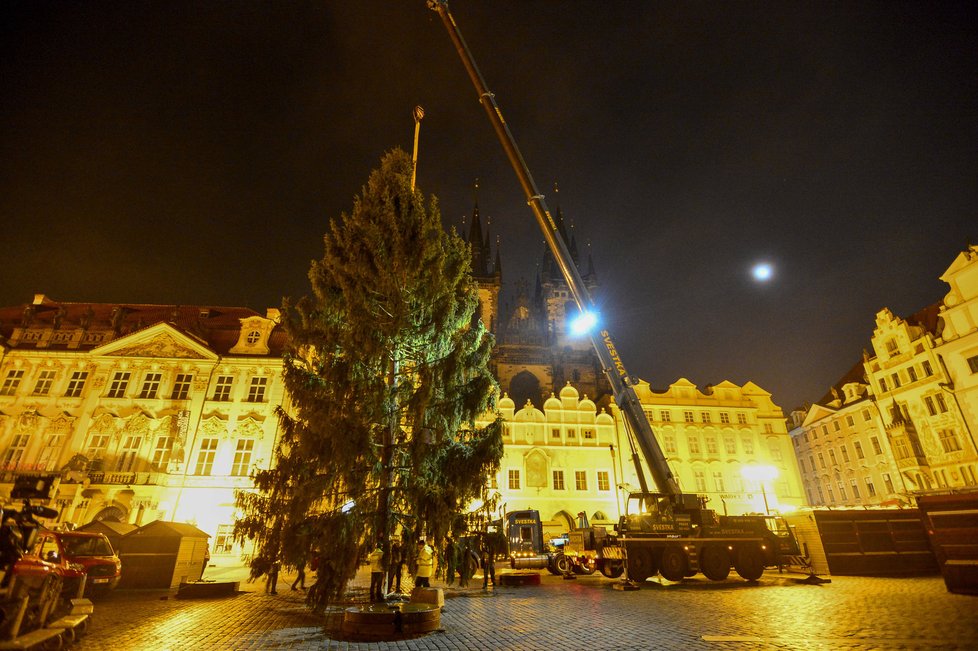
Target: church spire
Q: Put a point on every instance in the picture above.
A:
(480, 261)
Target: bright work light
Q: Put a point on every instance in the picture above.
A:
(583, 322)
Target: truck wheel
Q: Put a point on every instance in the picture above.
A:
(562, 564)
(586, 567)
(715, 562)
(674, 564)
(641, 564)
(750, 563)
(612, 570)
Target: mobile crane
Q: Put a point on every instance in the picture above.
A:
(667, 531)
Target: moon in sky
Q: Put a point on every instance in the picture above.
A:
(762, 272)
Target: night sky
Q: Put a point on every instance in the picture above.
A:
(193, 153)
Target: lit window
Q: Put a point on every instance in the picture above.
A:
(11, 382)
(242, 457)
(120, 382)
(15, 452)
(580, 480)
(151, 386)
(205, 457)
(222, 390)
(558, 480)
(161, 455)
(44, 381)
(514, 479)
(76, 384)
(256, 392)
(730, 444)
(128, 454)
(181, 386)
(604, 484)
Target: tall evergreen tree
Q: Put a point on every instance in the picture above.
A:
(387, 369)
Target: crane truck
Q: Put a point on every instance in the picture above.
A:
(665, 531)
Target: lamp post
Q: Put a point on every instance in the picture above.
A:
(760, 474)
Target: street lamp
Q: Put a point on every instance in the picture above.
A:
(760, 474)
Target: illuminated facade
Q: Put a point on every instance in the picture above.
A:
(144, 412)
(902, 422)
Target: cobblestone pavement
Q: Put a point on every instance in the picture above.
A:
(585, 613)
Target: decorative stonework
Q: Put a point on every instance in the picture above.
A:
(249, 428)
(162, 345)
(215, 426)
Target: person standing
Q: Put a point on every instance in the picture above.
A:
(394, 568)
(488, 559)
(426, 565)
(450, 560)
(376, 560)
(272, 581)
(300, 578)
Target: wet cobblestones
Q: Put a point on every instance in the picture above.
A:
(779, 613)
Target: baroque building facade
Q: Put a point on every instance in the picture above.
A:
(901, 423)
(143, 412)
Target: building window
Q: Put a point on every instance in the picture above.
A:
(900, 448)
(887, 483)
(181, 386)
(97, 446)
(775, 450)
(242, 457)
(128, 454)
(666, 416)
(845, 452)
(718, 481)
(694, 444)
(711, 445)
(891, 347)
(866, 415)
(688, 416)
(821, 460)
(514, 479)
(969, 475)
(928, 371)
(587, 433)
(941, 405)
(604, 484)
(859, 449)
(730, 444)
(836, 426)
(973, 364)
(222, 390)
(876, 445)
(555, 433)
(949, 440)
(832, 458)
(120, 382)
(205, 457)
(742, 419)
(580, 480)
(151, 386)
(44, 381)
(725, 417)
(700, 478)
(748, 443)
(801, 464)
(811, 462)
(15, 452)
(253, 337)
(11, 382)
(768, 428)
(842, 491)
(929, 403)
(669, 441)
(161, 455)
(896, 380)
(855, 489)
(705, 416)
(850, 421)
(571, 433)
(49, 455)
(256, 392)
(882, 385)
(912, 373)
(825, 430)
(76, 384)
(558, 480)
(870, 487)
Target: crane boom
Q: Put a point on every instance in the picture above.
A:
(636, 421)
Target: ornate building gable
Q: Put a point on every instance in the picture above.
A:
(250, 427)
(254, 335)
(158, 341)
(817, 413)
(959, 311)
